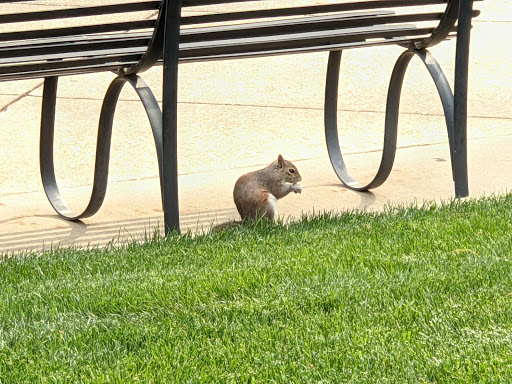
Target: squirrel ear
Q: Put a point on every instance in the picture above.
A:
(280, 161)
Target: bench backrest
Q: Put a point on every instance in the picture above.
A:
(213, 29)
(42, 40)
(39, 40)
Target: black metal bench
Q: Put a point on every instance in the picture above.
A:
(152, 32)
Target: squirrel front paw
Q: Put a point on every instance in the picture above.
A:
(296, 188)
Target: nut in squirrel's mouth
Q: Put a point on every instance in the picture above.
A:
(296, 187)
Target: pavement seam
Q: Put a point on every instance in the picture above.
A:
(267, 106)
(156, 177)
(20, 97)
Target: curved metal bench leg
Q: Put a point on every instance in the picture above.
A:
(391, 122)
(445, 93)
(392, 113)
(154, 114)
(103, 142)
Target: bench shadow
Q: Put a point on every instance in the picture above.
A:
(83, 235)
(367, 198)
(64, 233)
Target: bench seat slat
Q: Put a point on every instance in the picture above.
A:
(290, 41)
(71, 57)
(15, 1)
(308, 24)
(61, 67)
(76, 31)
(79, 12)
(73, 50)
(304, 10)
(297, 50)
(381, 3)
(288, 22)
(58, 41)
(279, 26)
(75, 70)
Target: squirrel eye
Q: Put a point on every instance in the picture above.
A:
(292, 170)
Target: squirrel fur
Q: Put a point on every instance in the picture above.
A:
(256, 193)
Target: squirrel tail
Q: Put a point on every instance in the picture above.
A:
(228, 224)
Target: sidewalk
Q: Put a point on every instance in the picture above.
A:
(236, 116)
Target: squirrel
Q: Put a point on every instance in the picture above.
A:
(256, 193)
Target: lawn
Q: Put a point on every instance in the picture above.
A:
(411, 295)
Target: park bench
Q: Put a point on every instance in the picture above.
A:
(49, 39)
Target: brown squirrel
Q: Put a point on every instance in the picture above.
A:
(256, 193)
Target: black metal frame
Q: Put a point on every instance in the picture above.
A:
(392, 113)
(170, 46)
(103, 141)
(454, 106)
(170, 116)
(151, 106)
(164, 125)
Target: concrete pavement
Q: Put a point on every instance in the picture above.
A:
(236, 116)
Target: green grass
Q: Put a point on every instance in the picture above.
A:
(416, 295)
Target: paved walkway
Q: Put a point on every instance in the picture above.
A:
(236, 116)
